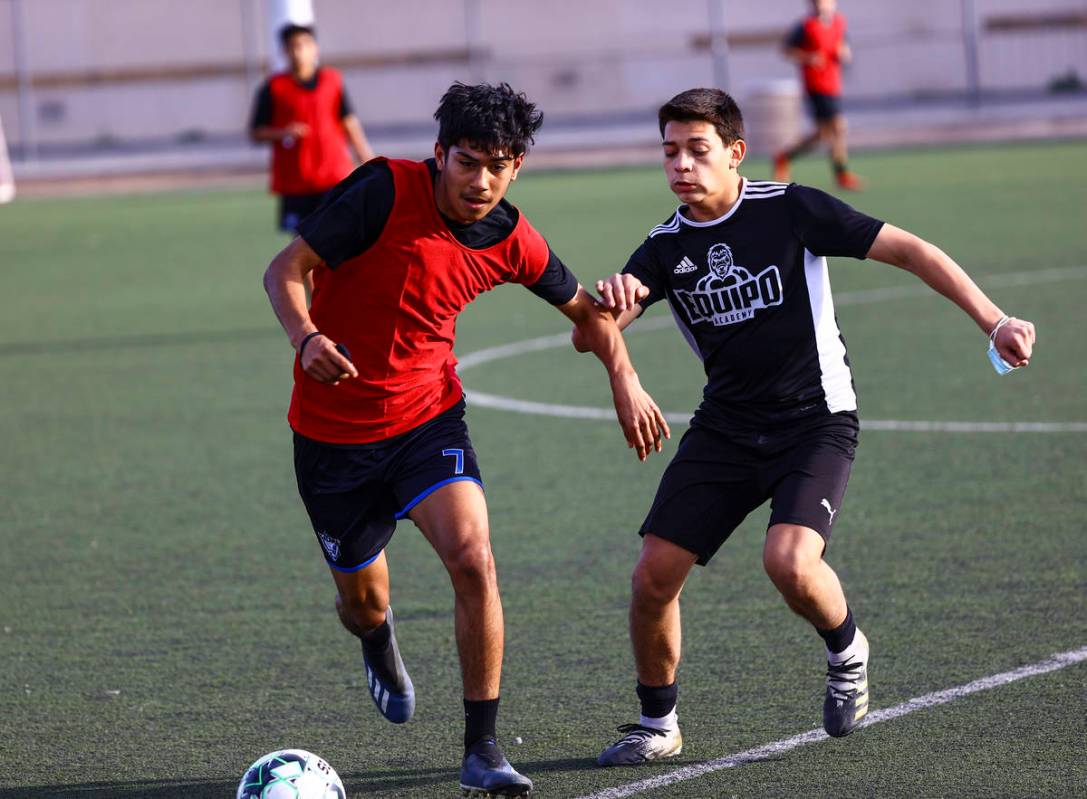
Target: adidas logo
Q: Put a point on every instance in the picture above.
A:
(685, 266)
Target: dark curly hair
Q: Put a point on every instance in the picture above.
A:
(291, 29)
(705, 105)
(492, 118)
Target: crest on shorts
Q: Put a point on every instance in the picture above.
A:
(330, 544)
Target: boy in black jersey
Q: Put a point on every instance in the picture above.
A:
(743, 266)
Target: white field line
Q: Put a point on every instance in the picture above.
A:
(560, 340)
(1058, 661)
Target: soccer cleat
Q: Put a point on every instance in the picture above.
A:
(781, 168)
(486, 772)
(640, 745)
(850, 181)
(846, 702)
(388, 681)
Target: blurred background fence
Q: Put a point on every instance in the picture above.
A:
(101, 75)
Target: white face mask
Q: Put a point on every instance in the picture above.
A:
(1002, 367)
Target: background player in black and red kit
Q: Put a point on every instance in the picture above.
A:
(397, 252)
(307, 116)
(818, 46)
(743, 266)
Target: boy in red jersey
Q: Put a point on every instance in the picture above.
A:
(397, 251)
(306, 115)
(818, 45)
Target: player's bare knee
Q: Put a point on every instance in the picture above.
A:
(648, 589)
(471, 567)
(788, 569)
(360, 613)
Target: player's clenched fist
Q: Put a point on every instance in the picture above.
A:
(621, 291)
(1014, 341)
(325, 362)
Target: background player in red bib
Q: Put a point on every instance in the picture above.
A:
(743, 266)
(306, 115)
(818, 45)
(397, 251)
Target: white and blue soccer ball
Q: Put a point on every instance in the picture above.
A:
(291, 774)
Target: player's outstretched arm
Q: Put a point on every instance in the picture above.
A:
(1014, 340)
(356, 136)
(619, 295)
(284, 281)
(641, 419)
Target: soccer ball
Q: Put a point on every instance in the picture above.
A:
(290, 774)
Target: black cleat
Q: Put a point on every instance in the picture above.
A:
(847, 694)
(387, 680)
(486, 772)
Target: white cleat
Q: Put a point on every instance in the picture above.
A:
(640, 745)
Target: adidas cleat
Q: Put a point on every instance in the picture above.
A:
(847, 694)
(388, 681)
(640, 745)
(486, 772)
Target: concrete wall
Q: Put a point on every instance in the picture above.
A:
(107, 71)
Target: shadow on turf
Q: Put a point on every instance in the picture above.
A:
(356, 784)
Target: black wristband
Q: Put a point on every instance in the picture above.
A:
(305, 341)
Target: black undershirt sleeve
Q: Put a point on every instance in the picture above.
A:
(557, 285)
(796, 36)
(262, 108)
(346, 108)
(643, 265)
(828, 226)
(353, 215)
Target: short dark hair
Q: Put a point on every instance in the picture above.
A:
(705, 105)
(292, 29)
(491, 118)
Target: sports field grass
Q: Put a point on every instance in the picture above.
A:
(166, 617)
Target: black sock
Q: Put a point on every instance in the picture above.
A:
(480, 720)
(377, 639)
(840, 168)
(842, 635)
(657, 701)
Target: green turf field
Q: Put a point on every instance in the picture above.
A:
(166, 617)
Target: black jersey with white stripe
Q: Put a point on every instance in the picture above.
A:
(751, 294)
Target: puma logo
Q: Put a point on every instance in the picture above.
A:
(826, 504)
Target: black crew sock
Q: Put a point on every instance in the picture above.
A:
(377, 639)
(840, 168)
(480, 720)
(657, 701)
(842, 635)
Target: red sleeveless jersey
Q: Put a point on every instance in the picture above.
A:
(318, 161)
(825, 78)
(395, 306)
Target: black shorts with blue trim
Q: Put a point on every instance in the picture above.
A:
(716, 479)
(354, 493)
(293, 208)
(824, 107)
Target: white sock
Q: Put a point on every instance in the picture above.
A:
(857, 650)
(669, 722)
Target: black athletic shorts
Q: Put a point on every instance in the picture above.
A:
(824, 107)
(354, 493)
(716, 479)
(293, 208)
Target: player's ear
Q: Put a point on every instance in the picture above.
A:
(517, 162)
(439, 155)
(737, 151)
